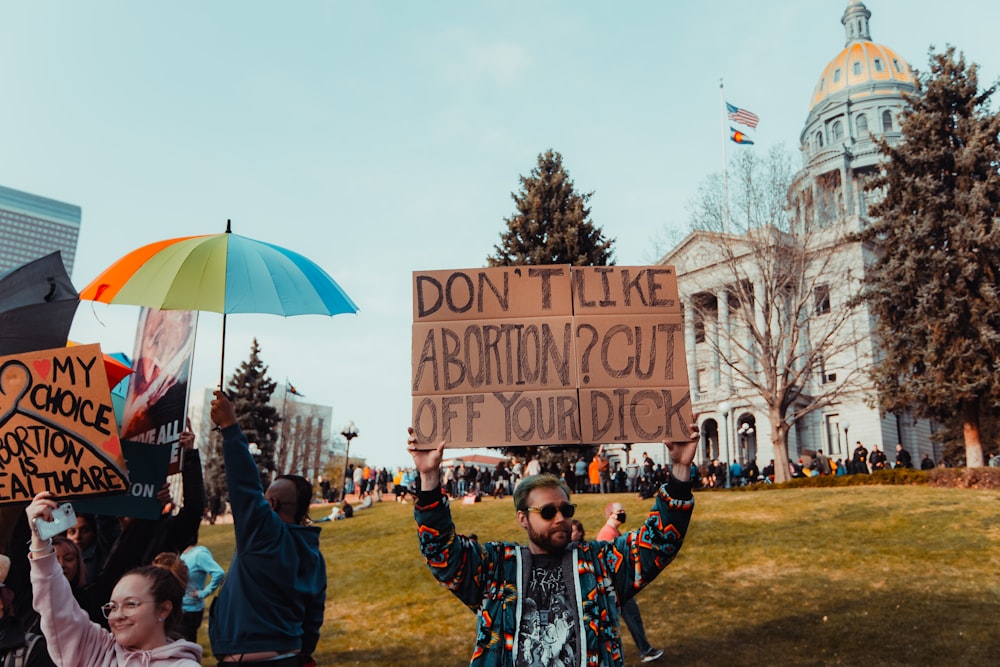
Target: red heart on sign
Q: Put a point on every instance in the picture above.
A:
(112, 446)
(42, 367)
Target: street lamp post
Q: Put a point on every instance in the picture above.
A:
(725, 408)
(350, 432)
(745, 432)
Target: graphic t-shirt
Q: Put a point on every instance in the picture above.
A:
(549, 628)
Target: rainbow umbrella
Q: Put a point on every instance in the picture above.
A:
(221, 273)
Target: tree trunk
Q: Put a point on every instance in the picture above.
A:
(779, 441)
(970, 429)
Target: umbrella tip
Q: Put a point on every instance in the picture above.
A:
(229, 226)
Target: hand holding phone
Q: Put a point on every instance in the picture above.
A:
(63, 518)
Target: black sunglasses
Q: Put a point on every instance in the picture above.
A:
(548, 512)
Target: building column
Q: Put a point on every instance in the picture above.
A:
(759, 323)
(846, 186)
(725, 348)
(712, 335)
(689, 348)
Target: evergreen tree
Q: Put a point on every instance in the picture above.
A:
(933, 287)
(250, 390)
(552, 224)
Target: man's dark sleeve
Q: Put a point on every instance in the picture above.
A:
(181, 530)
(312, 620)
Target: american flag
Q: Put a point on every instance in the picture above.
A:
(742, 116)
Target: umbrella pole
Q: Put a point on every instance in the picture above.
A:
(222, 365)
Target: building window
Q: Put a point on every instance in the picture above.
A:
(878, 65)
(821, 296)
(833, 441)
(819, 139)
(824, 377)
(887, 121)
(857, 67)
(838, 131)
(895, 63)
(836, 75)
(862, 123)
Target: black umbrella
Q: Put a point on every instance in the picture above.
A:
(37, 305)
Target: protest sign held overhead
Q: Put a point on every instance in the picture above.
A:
(57, 426)
(156, 404)
(147, 472)
(546, 355)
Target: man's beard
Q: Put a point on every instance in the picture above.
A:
(552, 541)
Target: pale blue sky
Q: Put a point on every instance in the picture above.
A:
(382, 137)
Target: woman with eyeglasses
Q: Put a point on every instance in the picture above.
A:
(145, 607)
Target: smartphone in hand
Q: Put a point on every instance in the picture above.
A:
(63, 518)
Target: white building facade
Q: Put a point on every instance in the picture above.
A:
(857, 101)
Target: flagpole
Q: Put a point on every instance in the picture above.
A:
(725, 169)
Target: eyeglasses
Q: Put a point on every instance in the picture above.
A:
(548, 512)
(126, 608)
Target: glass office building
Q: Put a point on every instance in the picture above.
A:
(33, 226)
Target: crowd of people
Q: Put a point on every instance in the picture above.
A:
(716, 474)
(110, 589)
(115, 591)
(601, 474)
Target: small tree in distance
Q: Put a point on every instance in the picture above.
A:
(250, 390)
(552, 224)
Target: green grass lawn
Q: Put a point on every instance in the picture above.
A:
(878, 575)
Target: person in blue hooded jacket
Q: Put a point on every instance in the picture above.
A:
(270, 609)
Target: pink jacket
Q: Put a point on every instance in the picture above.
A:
(73, 639)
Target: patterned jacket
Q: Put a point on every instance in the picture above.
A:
(487, 577)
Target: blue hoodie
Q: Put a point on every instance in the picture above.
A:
(275, 591)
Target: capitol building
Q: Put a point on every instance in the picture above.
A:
(857, 101)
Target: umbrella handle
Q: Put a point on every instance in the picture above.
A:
(222, 365)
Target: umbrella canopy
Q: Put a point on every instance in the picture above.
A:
(222, 273)
(37, 305)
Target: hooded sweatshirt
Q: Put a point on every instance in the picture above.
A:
(274, 594)
(73, 639)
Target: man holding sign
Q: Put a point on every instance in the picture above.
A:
(553, 601)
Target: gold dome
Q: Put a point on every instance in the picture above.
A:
(863, 65)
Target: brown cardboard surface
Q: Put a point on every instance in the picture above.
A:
(482, 337)
(495, 419)
(646, 414)
(514, 354)
(57, 426)
(625, 290)
(491, 293)
(624, 350)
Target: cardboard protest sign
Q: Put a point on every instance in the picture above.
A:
(147, 471)
(57, 426)
(156, 403)
(537, 355)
